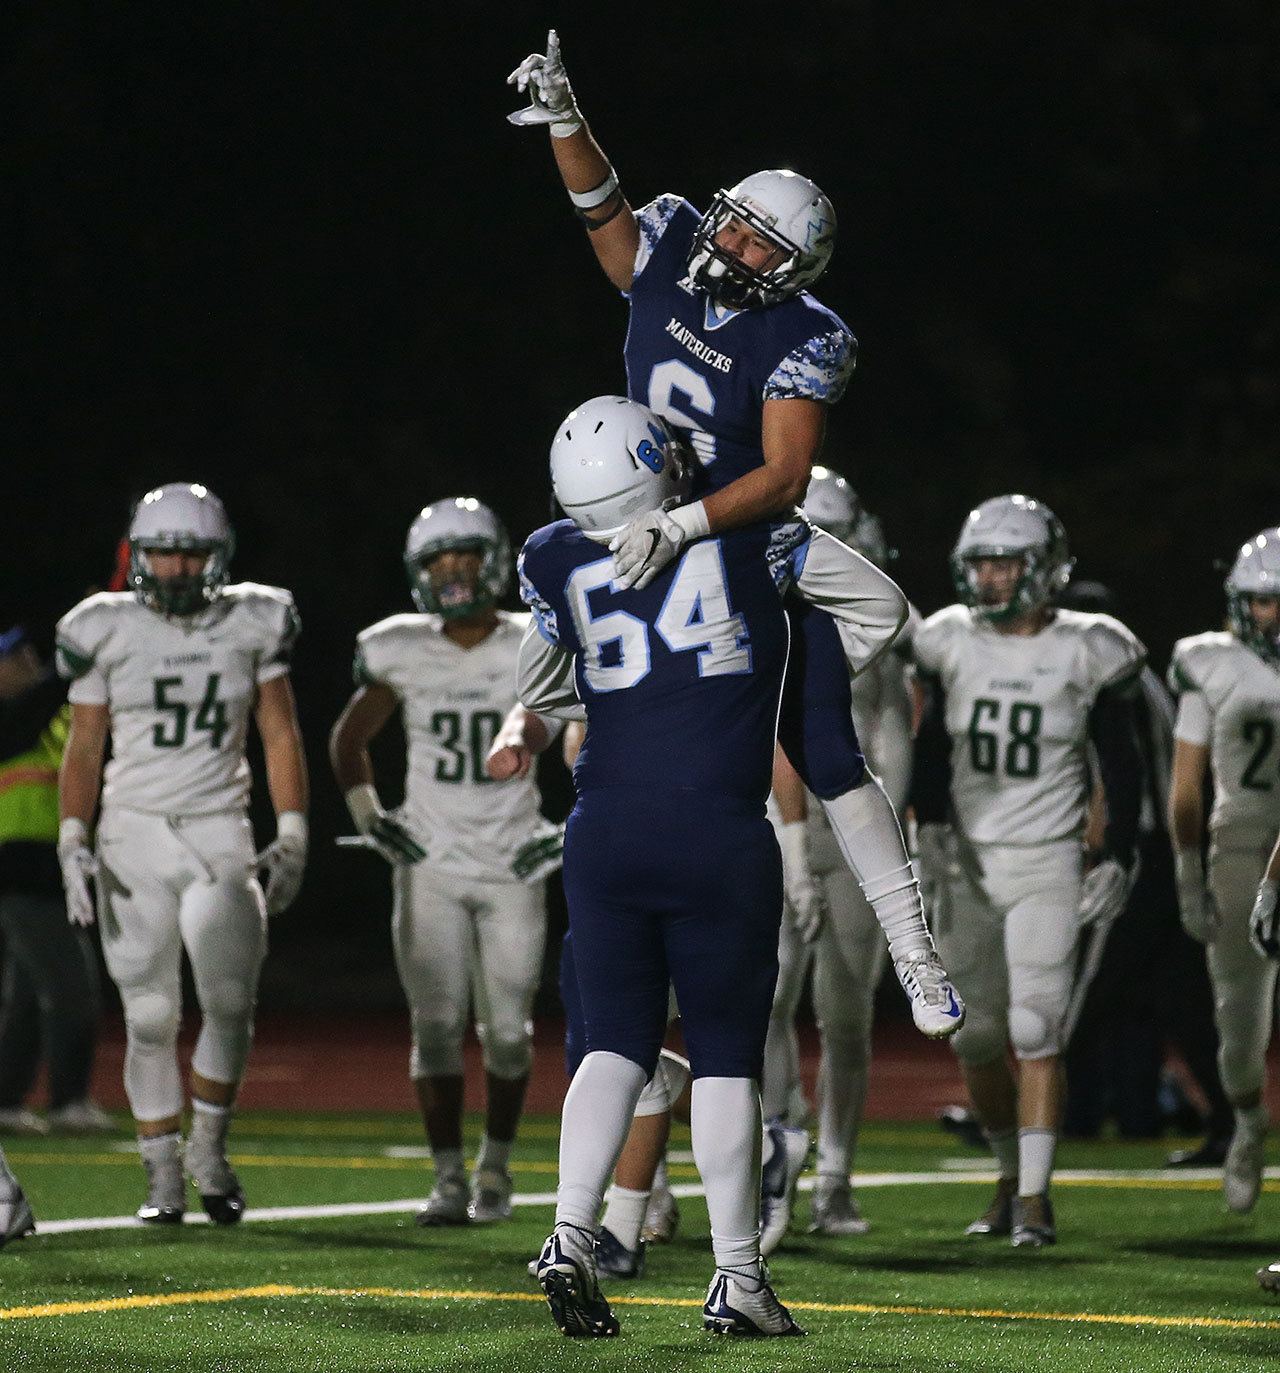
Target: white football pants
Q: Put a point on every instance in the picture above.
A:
(453, 934)
(167, 883)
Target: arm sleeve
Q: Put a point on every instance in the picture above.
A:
(544, 677)
(1113, 733)
(1194, 724)
(24, 718)
(931, 763)
(817, 370)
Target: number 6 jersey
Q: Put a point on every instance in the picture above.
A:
(180, 691)
(1017, 713)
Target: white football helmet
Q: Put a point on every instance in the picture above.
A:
(1013, 527)
(1255, 572)
(458, 524)
(831, 503)
(613, 459)
(182, 517)
(783, 207)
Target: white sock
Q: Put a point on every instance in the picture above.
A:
(448, 1164)
(1004, 1145)
(624, 1214)
(494, 1156)
(594, 1125)
(660, 1183)
(209, 1125)
(726, 1128)
(867, 830)
(160, 1148)
(1252, 1118)
(1035, 1160)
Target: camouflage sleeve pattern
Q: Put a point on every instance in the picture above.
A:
(818, 370)
(544, 616)
(652, 220)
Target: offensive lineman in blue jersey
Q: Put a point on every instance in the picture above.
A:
(671, 870)
(727, 345)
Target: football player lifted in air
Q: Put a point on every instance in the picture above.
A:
(672, 872)
(1228, 688)
(726, 344)
(1016, 693)
(468, 853)
(829, 924)
(171, 672)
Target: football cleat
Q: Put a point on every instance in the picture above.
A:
(1212, 1153)
(614, 1259)
(16, 1219)
(567, 1276)
(834, 1211)
(1032, 1222)
(778, 1180)
(220, 1192)
(936, 1006)
(738, 1305)
(448, 1204)
(492, 1199)
(166, 1202)
(997, 1219)
(661, 1216)
(17, 1120)
(83, 1117)
(1269, 1277)
(1242, 1169)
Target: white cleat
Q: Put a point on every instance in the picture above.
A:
(1242, 1170)
(83, 1117)
(833, 1210)
(661, 1217)
(166, 1202)
(17, 1120)
(1269, 1278)
(936, 1006)
(16, 1219)
(448, 1204)
(778, 1180)
(492, 1197)
(221, 1194)
(739, 1305)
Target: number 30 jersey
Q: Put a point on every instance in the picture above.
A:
(180, 691)
(454, 701)
(1229, 699)
(1017, 711)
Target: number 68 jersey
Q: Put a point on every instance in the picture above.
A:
(1017, 712)
(180, 690)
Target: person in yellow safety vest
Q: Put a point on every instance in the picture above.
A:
(49, 995)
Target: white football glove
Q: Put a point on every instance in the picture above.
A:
(78, 865)
(545, 81)
(1103, 893)
(806, 898)
(284, 860)
(1264, 921)
(386, 834)
(540, 856)
(935, 858)
(652, 541)
(1196, 906)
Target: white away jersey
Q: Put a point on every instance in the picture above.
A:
(1017, 713)
(454, 701)
(181, 691)
(1230, 700)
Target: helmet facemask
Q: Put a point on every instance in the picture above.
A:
(183, 595)
(458, 598)
(728, 280)
(1240, 613)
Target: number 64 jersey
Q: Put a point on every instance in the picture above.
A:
(1017, 710)
(180, 691)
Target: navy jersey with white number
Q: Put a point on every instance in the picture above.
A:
(709, 371)
(681, 679)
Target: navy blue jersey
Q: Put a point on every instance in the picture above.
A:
(681, 679)
(709, 371)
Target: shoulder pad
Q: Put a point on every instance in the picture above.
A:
(82, 631)
(381, 646)
(1116, 654)
(931, 637)
(272, 609)
(1194, 658)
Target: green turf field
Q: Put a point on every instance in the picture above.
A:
(1150, 1273)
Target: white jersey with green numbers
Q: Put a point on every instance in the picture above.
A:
(1229, 699)
(1017, 710)
(180, 691)
(454, 701)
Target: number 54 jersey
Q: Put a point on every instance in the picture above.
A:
(180, 691)
(1017, 712)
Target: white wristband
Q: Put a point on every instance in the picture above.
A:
(362, 802)
(693, 520)
(72, 834)
(588, 200)
(565, 128)
(291, 824)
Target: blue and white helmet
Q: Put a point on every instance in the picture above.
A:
(458, 524)
(613, 459)
(783, 207)
(180, 517)
(1013, 527)
(1255, 572)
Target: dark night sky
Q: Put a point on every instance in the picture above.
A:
(294, 251)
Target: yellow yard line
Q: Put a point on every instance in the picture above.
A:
(145, 1301)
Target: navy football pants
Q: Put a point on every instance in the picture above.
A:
(680, 888)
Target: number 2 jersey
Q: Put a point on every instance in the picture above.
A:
(1017, 713)
(680, 680)
(1229, 699)
(709, 371)
(453, 702)
(180, 691)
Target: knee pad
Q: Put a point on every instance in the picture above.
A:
(151, 1079)
(507, 1054)
(1242, 1071)
(982, 1038)
(1035, 1029)
(151, 1017)
(664, 1088)
(437, 1048)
